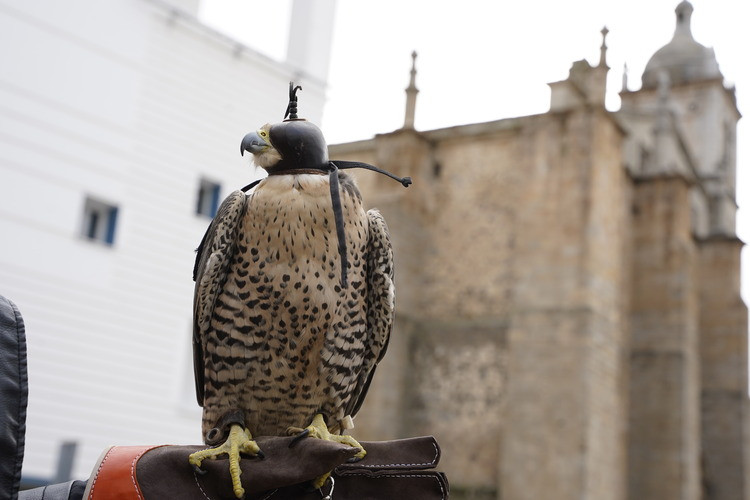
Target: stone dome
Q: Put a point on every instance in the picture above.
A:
(682, 59)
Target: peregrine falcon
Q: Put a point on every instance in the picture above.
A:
(294, 299)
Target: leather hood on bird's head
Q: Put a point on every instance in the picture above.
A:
(300, 144)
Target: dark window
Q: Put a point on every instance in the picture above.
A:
(99, 221)
(208, 198)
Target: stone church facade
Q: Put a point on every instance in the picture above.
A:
(569, 319)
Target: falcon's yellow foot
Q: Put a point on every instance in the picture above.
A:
(239, 441)
(319, 430)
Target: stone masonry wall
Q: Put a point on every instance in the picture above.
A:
(723, 342)
(452, 234)
(509, 250)
(559, 326)
(564, 431)
(664, 439)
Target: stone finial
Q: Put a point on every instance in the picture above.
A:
(683, 13)
(624, 77)
(411, 94)
(603, 48)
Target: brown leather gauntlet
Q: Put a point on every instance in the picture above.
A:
(391, 469)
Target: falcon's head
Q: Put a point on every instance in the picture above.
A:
(289, 145)
(259, 144)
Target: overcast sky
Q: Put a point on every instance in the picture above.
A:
(482, 60)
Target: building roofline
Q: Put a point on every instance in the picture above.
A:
(469, 129)
(472, 129)
(174, 13)
(354, 146)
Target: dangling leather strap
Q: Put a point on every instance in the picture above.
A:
(336, 203)
(339, 219)
(343, 165)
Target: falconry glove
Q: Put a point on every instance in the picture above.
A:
(392, 469)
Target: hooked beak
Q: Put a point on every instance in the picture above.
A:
(253, 143)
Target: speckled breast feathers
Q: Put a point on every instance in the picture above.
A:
(275, 334)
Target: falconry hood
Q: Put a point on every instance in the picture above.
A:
(301, 146)
(299, 142)
(302, 149)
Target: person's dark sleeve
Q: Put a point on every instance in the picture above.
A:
(72, 490)
(13, 398)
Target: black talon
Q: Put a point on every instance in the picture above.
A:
(260, 455)
(299, 437)
(354, 460)
(199, 471)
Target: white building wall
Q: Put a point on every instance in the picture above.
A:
(131, 103)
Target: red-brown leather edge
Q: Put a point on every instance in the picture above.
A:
(115, 477)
